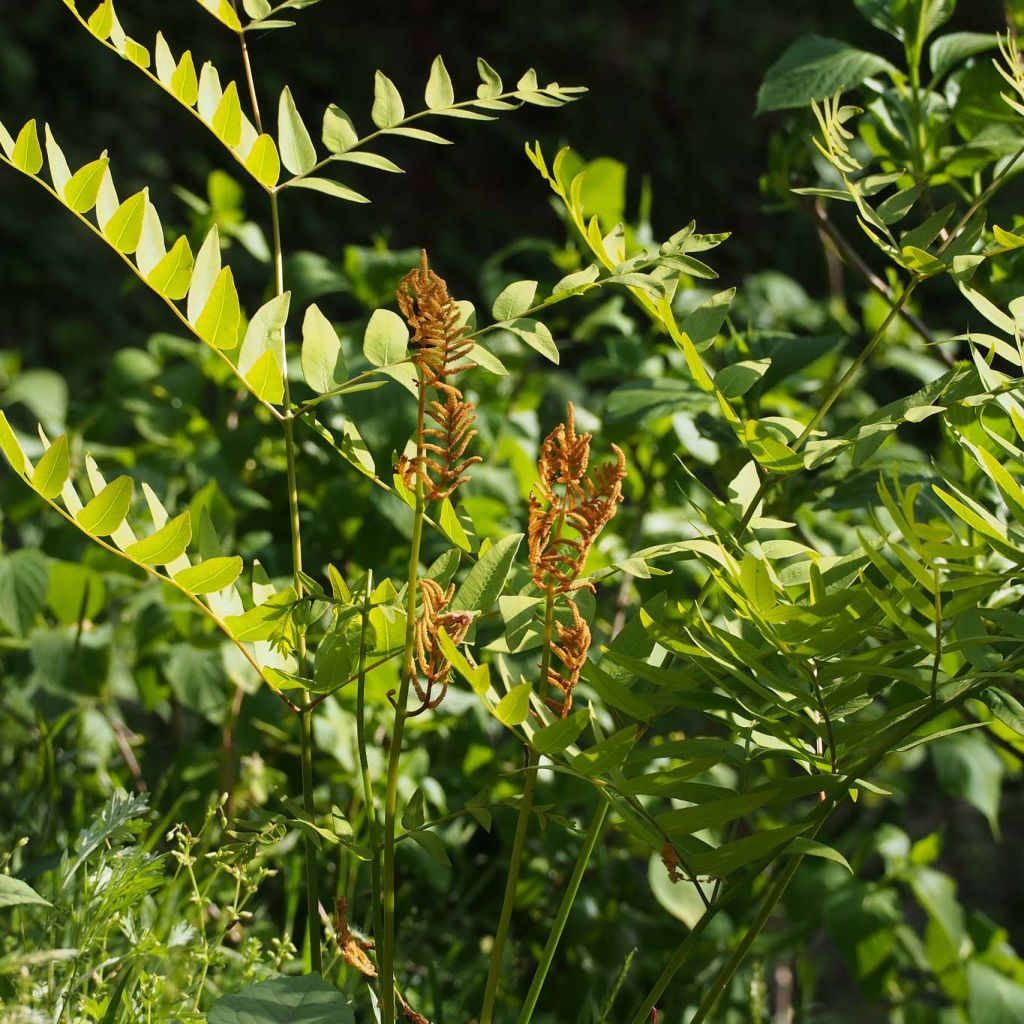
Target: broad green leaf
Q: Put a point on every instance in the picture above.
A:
(227, 118)
(537, 336)
(23, 584)
(101, 21)
(433, 844)
(298, 154)
(207, 267)
(388, 109)
(514, 301)
(52, 469)
(109, 509)
(814, 68)
(257, 9)
(558, 735)
(27, 156)
(323, 363)
(184, 82)
(513, 708)
(334, 659)
(330, 187)
(608, 754)
(164, 61)
(439, 92)
(949, 50)
(219, 321)
(210, 576)
(124, 229)
(210, 92)
(265, 333)
(172, 276)
(11, 448)
(223, 12)
(485, 580)
(738, 379)
(261, 622)
(993, 997)
(413, 814)
(166, 545)
(16, 893)
(490, 81)
(338, 132)
(263, 163)
(386, 339)
(60, 173)
(266, 378)
(82, 189)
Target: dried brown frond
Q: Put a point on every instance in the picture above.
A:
(434, 669)
(672, 863)
(410, 1014)
(440, 344)
(353, 950)
(571, 649)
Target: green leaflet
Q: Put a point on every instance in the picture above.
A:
(298, 154)
(172, 276)
(486, 579)
(323, 363)
(212, 575)
(386, 339)
(219, 321)
(164, 546)
(11, 448)
(263, 162)
(388, 108)
(124, 228)
(109, 509)
(82, 189)
(514, 300)
(227, 118)
(52, 470)
(27, 155)
(439, 92)
(555, 737)
(16, 893)
(513, 708)
(266, 379)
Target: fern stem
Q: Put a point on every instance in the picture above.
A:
(522, 826)
(568, 899)
(387, 952)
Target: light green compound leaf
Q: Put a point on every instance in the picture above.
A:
(537, 336)
(223, 12)
(514, 301)
(263, 163)
(330, 187)
(386, 339)
(738, 379)
(439, 92)
(84, 185)
(388, 109)
(173, 274)
(184, 82)
(11, 448)
(109, 509)
(323, 363)
(265, 333)
(338, 133)
(513, 708)
(559, 735)
(266, 379)
(814, 68)
(210, 576)
(485, 580)
(16, 893)
(52, 470)
(164, 546)
(608, 754)
(298, 153)
(27, 156)
(219, 321)
(207, 267)
(227, 118)
(124, 229)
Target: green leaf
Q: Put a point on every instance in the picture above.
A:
(16, 893)
(433, 845)
(219, 321)
(947, 51)
(11, 448)
(27, 155)
(263, 621)
(608, 754)
(559, 735)
(333, 663)
(101, 21)
(60, 174)
(82, 189)
(338, 133)
(298, 153)
(514, 301)
(164, 546)
(732, 856)
(304, 999)
(23, 583)
(330, 187)
(513, 708)
(223, 12)
(439, 92)
(263, 163)
(993, 997)
(323, 362)
(52, 470)
(485, 580)
(490, 81)
(184, 83)
(204, 275)
(265, 333)
(172, 276)
(537, 336)
(386, 339)
(413, 815)
(210, 576)
(814, 68)
(266, 378)
(738, 379)
(124, 229)
(227, 118)
(388, 109)
(109, 509)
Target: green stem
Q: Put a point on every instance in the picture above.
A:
(364, 766)
(387, 952)
(568, 899)
(522, 826)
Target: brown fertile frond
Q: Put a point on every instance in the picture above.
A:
(440, 347)
(432, 665)
(440, 342)
(353, 950)
(571, 649)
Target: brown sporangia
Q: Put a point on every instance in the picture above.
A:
(433, 668)
(353, 950)
(569, 507)
(440, 346)
(672, 863)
